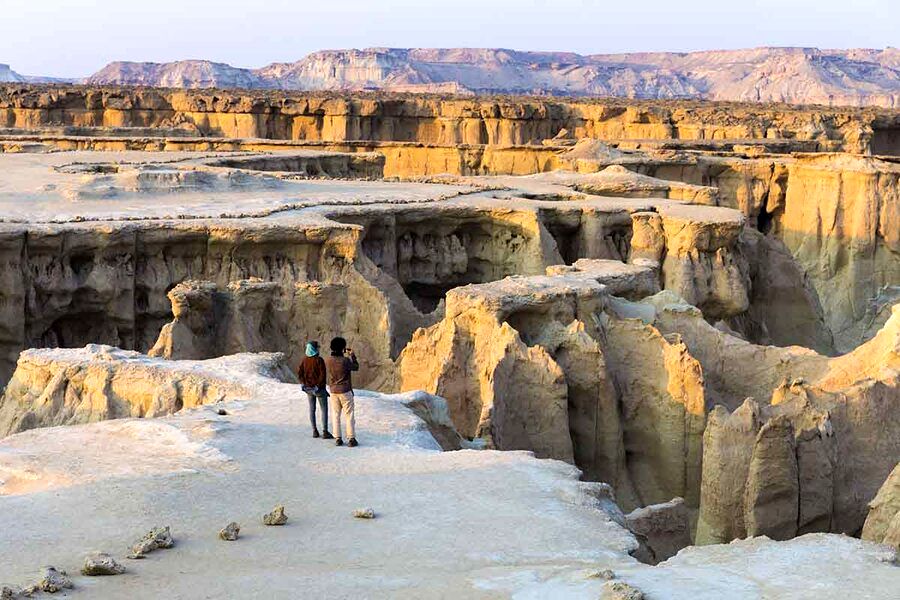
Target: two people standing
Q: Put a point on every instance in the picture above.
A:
(326, 377)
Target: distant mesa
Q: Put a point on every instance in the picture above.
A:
(7, 75)
(853, 77)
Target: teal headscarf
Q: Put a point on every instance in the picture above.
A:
(311, 349)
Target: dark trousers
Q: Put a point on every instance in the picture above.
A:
(323, 408)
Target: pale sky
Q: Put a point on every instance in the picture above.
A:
(73, 38)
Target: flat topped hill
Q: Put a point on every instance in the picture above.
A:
(857, 77)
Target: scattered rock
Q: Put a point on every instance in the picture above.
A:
(222, 412)
(563, 138)
(276, 517)
(592, 150)
(54, 581)
(364, 513)
(619, 590)
(8, 593)
(157, 538)
(232, 531)
(604, 574)
(101, 564)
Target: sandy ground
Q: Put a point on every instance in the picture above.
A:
(474, 524)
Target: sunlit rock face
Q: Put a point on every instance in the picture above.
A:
(444, 120)
(839, 219)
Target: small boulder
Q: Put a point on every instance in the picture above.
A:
(231, 532)
(101, 564)
(53, 581)
(222, 412)
(364, 513)
(276, 517)
(157, 538)
(604, 574)
(663, 529)
(619, 590)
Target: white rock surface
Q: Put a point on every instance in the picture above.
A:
(811, 567)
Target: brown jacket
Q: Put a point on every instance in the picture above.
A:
(312, 372)
(339, 369)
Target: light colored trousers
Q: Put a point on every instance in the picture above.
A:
(342, 410)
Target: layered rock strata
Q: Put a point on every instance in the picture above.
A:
(444, 121)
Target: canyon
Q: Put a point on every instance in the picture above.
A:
(688, 312)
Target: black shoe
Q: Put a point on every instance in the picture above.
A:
(316, 433)
(353, 443)
(327, 435)
(339, 442)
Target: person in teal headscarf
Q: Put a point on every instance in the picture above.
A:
(312, 378)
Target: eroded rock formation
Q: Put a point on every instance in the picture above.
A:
(256, 316)
(639, 417)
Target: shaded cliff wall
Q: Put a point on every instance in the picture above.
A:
(69, 285)
(380, 272)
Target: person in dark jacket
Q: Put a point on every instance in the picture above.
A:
(312, 377)
(339, 365)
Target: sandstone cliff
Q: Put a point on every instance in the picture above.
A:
(443, 120)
